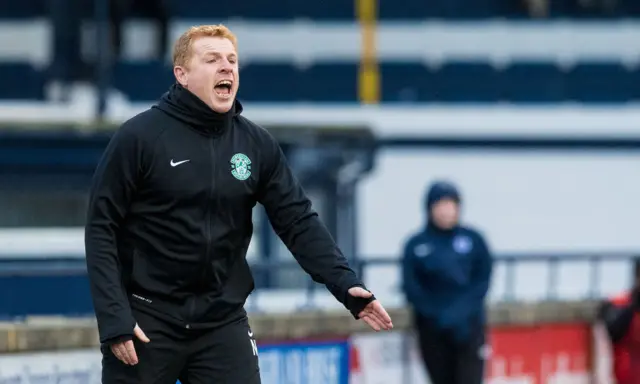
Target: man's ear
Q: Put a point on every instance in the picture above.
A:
(181, 75)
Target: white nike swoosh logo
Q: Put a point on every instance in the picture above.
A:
(175, 164)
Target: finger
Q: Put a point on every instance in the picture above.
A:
(125, 354)
(375, 310)
(379, 309)
(131, 352)
(372, 323)
(140, 334)
(382, 313)
(120, 353)
(381, 323)
(116, 352)
(378, 319)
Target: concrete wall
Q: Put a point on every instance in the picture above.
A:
(58, 334)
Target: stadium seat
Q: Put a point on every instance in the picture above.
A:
(265, 10)
(199, 9)
(23, 9)
(273, 82)
(408, 9)
(467, 82)
(407, 82)
(533, 82)
(145, 81)
(220, 11)
(332, 83)
(602, 82)
(444, 9)
(324, 10)
(20, 81)
(45, 295)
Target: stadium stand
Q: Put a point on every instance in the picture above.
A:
(438, 63)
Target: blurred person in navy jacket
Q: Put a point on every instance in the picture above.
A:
(446, 275)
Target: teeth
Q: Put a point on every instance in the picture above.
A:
(225, 82)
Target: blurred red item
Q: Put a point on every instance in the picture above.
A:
(540, 354)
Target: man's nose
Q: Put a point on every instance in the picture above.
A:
(226, 66)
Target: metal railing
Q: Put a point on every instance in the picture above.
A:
(59, 273)
(510, 262)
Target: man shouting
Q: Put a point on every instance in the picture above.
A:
(169, 224)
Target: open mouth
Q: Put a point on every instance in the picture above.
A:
(223, 88)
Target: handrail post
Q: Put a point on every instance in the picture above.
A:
(552, 282)
(510, 279)
(594, 277)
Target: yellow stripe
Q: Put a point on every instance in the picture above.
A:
(369, 73)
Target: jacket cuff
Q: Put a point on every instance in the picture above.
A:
(117, 339)
(355, 305)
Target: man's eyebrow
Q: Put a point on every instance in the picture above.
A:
(215, 53)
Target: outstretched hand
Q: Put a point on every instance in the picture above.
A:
(374, 313)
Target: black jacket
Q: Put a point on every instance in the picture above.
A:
(169, 218)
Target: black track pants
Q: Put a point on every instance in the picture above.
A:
(450, 362)
(226, 355)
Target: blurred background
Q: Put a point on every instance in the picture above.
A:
(529, 106)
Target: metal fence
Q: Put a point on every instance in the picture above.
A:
(594, 262)
(60, 287)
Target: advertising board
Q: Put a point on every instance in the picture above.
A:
(382, 358)
(308, 362)
(540, 354)
(77, 367)
(537, 354)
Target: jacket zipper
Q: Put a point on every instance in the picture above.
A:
(210, 209)
(208, 226)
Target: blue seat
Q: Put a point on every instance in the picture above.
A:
(23, 9)
(221, 11)
(20, 81)
(407, 82)
(204, 9)
(335, 82)
(323, 10)
(409, 9)
(533, 82)
(443, 9)
(265, 9)
(269, 82)
(143, 81)
(467, 82)
(602, 83)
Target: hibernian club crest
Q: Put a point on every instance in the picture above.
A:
(240, 166)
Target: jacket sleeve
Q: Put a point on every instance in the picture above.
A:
(471, 301)
(113, 185)
(297, 224)
(617, 319)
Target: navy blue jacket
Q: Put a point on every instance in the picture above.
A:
(446, 276)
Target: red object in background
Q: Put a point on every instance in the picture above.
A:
(544, 354)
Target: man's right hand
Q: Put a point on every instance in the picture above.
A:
(125, 350)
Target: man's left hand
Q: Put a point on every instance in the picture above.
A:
(374, 313)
